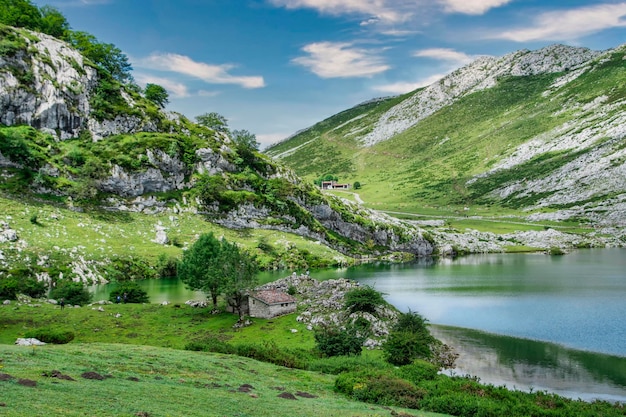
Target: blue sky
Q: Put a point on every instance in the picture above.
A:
(277, 66)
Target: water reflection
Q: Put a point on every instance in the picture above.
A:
(528, 364)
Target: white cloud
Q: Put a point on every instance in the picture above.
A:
(212, 74)
(474, 7)
(445, 54)
(175, 88)
(570, 24)
(405, 87)
(340, 60)
(383, 10)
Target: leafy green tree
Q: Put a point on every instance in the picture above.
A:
(54, 23)
(245, 139)
(201, 269)
(156, 94)
(20, 13)
(239, 269)
(214, 121)
(129, 292)
(106, 55)
(356, 185)
(410, 339)
(73, 293)
(363, 299)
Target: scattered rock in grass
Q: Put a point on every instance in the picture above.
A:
(305, 395)
(142, 414)
(279, 388)
(6, 377)
(31, 341)
(245, 388)
(158, 378)
(287, 396)
(92, 375)
(254, 396)
(3, 405)
(58, 375)
(133, 378)
(27, 382)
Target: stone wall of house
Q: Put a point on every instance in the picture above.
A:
(260, 309)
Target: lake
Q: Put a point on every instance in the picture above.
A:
(528, 321)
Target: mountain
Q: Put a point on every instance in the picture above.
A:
(72, 136)
(535, 134)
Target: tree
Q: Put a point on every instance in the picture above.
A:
(200, 267)
(245, 139)
(239, 269)
(109, 57)
(410, 339)
(54, 23)
(214, 121)
(20, 13)
(356, 185)
(129, 292)
(156, 94)
(72, 293)
(363, 299)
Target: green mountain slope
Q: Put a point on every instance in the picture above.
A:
(529, 131)
(72, 137)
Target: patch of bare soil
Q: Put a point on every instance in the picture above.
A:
(92, 375)
(27, 382)
(305, 395)
(58, 375)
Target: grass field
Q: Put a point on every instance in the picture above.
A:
(155, 382)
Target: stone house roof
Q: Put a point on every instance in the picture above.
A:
(271, 297)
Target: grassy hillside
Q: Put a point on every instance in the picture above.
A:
(429, 164)
(149, 381)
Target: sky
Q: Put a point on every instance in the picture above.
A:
(274, 67)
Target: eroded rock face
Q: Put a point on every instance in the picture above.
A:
(47, 85)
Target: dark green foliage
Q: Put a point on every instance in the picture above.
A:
(336, 365)
(200, 267)
(156, 94)
(363, 299)
(55, 336)
(20, 13)
(107, 101)
(73, 293)
(129, 292)
(410, 339)
(418, 371)
(335, 341)
(20, 281)
(166, 266)
(53, 22)
(244, 139)
(239, 270)
(14, 146)
(267, 351)
(34, 219)
(107, 56)
(214, 121)
(379, 387)
(122, 269)
(356, 185)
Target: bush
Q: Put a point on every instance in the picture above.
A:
(336, 365)
(269, 352)
(379, 387)
(364, 299)
(129, 292)
(410, 339)
(211, 344)
(334, 341)
(417, 371)
(73, 293)
(56, 336)
(19, 282)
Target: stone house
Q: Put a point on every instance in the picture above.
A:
(270, 303)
